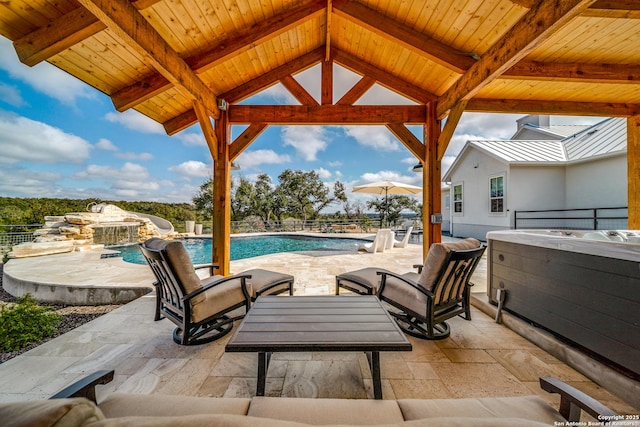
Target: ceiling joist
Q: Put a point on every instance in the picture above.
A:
(538, 24)
(562, 108)
(127, 23)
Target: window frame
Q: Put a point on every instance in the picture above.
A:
(503, 212)
(454, 201)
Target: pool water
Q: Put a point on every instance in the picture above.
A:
(247, 247)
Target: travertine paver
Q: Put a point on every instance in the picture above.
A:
(481, 358)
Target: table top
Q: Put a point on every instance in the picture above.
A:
(318, 323)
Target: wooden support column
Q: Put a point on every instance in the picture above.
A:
(633, 171)
(221, 248)
(431, 191)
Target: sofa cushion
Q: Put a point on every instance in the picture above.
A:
(54, 412)
(527, 407)
(242, 421)
(327, 411)
(436, 256)
(126, 405)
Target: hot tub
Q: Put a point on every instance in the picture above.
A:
(582, 286)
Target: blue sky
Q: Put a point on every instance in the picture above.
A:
(61, 138)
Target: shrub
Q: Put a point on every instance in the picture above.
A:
(26, 322)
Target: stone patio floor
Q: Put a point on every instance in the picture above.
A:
(481, 358)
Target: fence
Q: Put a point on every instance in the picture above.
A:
(11, 235)
(573, 219)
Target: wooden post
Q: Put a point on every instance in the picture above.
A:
(221, 248)
(633, 171)
(431, 181)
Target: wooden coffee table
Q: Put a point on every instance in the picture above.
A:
(318, 323)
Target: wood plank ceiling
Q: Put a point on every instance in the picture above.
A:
(157, 56)
(176, 61)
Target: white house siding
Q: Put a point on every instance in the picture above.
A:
(446, 209)
(595, 184)
(475, 220)
(539, 187)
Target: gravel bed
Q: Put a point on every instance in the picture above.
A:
(72, 317)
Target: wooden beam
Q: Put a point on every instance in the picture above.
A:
(327, 37)
(188, 118)
(299, 92)
(589, 73)
(221, 223)
(537, 25)
(408, 139)
(130, 26)
(403, 35)
(384, 78)
(359, 89)
(449, 128)
(564, 108)
(431, 181)
(326, 86)
(207, 128)
(633, 172)
(224, 49)
(245, 139)
(620, 9)
(62, 33)
(272, 77)
(326, 114)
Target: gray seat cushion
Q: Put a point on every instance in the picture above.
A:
(365, 280)
(126, 405)
(267, 282)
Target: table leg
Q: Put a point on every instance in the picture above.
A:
(263, 365)
(374, 364)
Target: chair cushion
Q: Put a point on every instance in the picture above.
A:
(158, 405)
(261, 279)
(327, 411)
(366, 280)
(406, 295)
(54, 412)
(180, 261)
(217, 299)
(528, 407)
(436, 256)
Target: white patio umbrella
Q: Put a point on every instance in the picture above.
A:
(386, 188)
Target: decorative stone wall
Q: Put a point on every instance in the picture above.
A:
(75, 231)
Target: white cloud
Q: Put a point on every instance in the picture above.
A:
(105, 144)
(335, 164)
(23, 139)
(192, 139)
(128, 155)
(11, 95)
(307, 140)
(376, 137)
(413, 179)
(44, 77)
(20, 182)
(323, 173)
(250, 159)
(192, 168)
(134, 120)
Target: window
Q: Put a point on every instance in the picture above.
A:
(457, 199)
(496, 197)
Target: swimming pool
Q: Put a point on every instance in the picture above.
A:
(247, 247)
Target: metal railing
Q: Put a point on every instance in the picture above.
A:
(11, 235)
(615, 218)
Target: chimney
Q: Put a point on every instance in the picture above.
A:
(535, 120)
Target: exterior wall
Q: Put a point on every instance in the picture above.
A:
(536, 188)
(446, 210)
(596, 184)
(473, 171)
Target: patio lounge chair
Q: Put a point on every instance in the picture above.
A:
(405, 240)
(200, 307)
(378, 244)
(439, 291)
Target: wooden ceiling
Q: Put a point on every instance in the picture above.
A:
(577, 57)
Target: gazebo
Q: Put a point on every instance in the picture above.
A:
(182, 62)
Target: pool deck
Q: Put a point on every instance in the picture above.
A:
(481, 358)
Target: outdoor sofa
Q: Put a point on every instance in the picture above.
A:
(118, 409)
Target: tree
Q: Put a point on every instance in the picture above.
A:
(393, 206)
(263, 203)
(203, 200)
(242, 200)
(303, 195)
